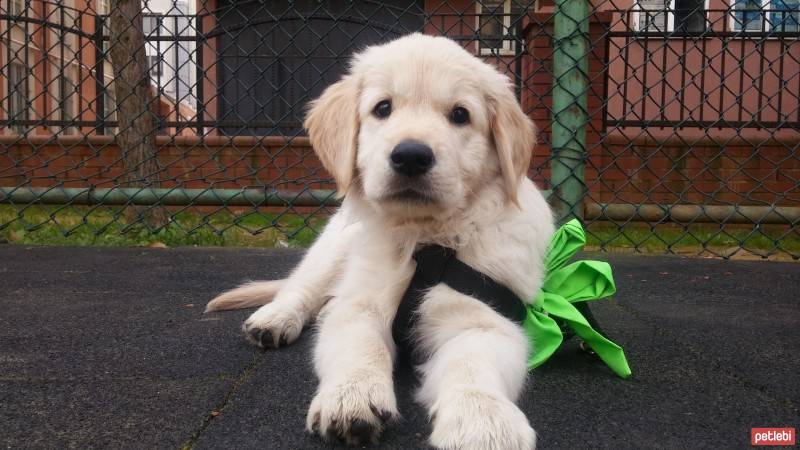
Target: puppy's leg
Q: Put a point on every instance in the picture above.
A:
(354, 355)
(474, 374)
(308, 288)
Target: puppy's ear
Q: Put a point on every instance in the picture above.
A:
(514, 138)
(333, 125)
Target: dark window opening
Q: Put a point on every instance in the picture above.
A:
(18, 97)
(491, 25)
(690, 16)
(274, 57)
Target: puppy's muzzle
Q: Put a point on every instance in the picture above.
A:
(411, 158)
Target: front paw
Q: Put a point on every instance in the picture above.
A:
(473, 419)
(274, 325)
(354, 410)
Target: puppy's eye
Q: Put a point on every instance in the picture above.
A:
(459, 115)
(383, 109)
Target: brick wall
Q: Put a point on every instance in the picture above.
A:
(186, 161)
(617, 171)
(707, 173)
(623, 166)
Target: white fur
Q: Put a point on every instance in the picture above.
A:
(254, 293)
(481, 205)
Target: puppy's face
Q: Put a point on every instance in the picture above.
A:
(421, 125)
(425, 139)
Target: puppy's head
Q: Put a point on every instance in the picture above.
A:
(420, 125)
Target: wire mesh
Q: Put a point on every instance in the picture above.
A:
(180, 121)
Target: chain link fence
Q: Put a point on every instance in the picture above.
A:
(666, 125)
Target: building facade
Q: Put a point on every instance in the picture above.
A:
(688, 100)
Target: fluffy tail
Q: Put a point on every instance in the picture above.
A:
(254, 293)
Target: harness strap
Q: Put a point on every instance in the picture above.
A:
(437, 264)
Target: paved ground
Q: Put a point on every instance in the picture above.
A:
(109, 348)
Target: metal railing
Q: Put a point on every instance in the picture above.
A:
(665, 129)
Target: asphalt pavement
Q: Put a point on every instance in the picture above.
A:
(109, 348)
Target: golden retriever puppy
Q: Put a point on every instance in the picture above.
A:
(429, 146)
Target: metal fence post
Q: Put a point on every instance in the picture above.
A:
(570, 85)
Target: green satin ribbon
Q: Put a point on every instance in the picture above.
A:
(564, 285)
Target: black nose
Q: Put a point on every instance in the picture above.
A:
(411, 158)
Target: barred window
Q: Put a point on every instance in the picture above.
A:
(652, 15)
(784, 15)
(154, 65)
(109, 108)
(660, 16)
(747, 15)
(65, 94)
(63, 13)
(16, 7)
(766, 15)
(151, 25)
(494, 21)
(69, 103)
(18, 94)
(690, 16)
(109, 104)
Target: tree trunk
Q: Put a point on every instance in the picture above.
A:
(136, 107)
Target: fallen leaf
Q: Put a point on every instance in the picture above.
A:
(214, 413)
(189, 305)
(157, 245)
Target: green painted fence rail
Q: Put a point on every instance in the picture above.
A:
(171, 196)
(167, 196)
(741, 214)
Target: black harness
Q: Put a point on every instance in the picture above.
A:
(436, 264)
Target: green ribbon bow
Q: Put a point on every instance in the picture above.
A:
(564, 285)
